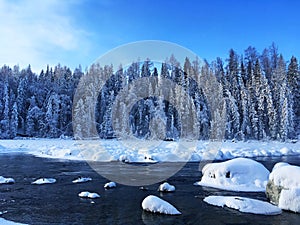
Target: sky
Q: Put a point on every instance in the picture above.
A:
(73, 32)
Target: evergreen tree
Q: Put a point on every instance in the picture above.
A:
(5, 128)
(14, 121)
(293, 80)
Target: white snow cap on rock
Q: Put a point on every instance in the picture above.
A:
(4, 180)
(246, 205)
(81, 180)
(280, 164)
(157, 205)
(110, 185)
(240, 174)
(166, 187)
(286, 175)
(44, 181)
(86, 194)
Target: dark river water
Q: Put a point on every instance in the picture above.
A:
(59, 203)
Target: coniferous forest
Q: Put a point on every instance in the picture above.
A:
(261, 94)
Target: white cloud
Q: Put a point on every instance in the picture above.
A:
(37, 32)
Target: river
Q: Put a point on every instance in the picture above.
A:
(59, 203)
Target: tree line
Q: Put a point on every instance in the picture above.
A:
(260, 98)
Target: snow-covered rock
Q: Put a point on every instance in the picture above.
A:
(166, 187)
(287, 176)
(283, 188)
(290, 200)
(157, 205)
(245, 205)
(44, 181)
(81, 180)
(238, 174)
(4, 180)
(110, 185)
(86, 194)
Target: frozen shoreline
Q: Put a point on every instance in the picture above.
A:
(147, 151)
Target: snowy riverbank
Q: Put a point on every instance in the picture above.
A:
(147, 151)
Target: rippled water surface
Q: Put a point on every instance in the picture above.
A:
(59, 203)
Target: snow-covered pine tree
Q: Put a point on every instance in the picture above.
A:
(293, 80)
(5, 128)
(14, 121)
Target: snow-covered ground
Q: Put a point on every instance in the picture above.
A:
(147, 151)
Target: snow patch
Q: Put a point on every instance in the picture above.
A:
(157, 205)
(86, 194)
(110, 185)
(81, 180)
(44, 181)
(238, 174)
(245, 205)
(4, 180)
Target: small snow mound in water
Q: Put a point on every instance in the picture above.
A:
(86, 194)
(238, 174)
(166, 187)
(245, 205)
(4, 180)
(44, 181)
(156, 205)
(110, 185)
(81, 180)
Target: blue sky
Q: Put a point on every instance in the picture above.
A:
(74, 32)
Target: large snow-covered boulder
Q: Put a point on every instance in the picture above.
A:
(238, 174)
(157, 205)
(246, 205)
(283, 188)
